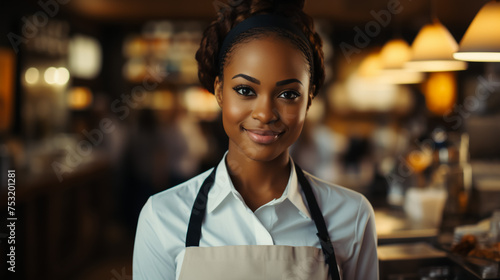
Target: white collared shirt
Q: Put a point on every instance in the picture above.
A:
(161, 231)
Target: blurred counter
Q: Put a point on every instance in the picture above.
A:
(423, 261)
(394, 227)
(410, 251)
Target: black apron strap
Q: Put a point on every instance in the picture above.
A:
(319, 221)
(193, 234)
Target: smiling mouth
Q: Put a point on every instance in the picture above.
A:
(262, 136)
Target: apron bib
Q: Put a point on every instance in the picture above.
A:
(248, 262)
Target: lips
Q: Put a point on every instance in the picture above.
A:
(260, 136)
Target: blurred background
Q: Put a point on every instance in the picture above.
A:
(100, 107)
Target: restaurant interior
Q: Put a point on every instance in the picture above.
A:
(101, 107)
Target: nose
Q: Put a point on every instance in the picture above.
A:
(264, 110)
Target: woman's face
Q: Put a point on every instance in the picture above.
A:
(264, 97)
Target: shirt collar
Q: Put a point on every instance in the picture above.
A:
(223, 186)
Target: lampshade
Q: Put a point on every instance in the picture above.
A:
(370, 66)
(433, 48)
(394, 55)
(372, 70)
(481, 41)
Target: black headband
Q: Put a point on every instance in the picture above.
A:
(259, 21)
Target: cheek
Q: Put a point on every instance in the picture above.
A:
(296, 125)
(233, 110)
(294, 115)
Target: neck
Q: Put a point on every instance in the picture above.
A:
(258, 181)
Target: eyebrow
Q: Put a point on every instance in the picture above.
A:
(256, 81)
(251, 79)
(288, 81)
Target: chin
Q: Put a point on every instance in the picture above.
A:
(263, 153)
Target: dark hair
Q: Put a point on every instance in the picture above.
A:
(234, 12)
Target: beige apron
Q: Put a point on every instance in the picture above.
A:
(245, 262)
(254, 262)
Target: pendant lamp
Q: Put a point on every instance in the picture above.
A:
(394, 55)
(481, 41)
(433, 48)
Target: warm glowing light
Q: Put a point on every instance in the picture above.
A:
(481, 41)
(31, 75)
(401, 76)
(135, 46)
(370, 94)
(395, 54)
(365, 89)
(440, 92)
(135, 70)
(478, 56)
(437, 65)
(162, 100)
(201, 103)
(7, 93)
(372, 67)
(50, 75)
(79, 98)
(84, 57)
(317, 110)
(419, 160)
(432, 50)
(61, 76)
(56, 76)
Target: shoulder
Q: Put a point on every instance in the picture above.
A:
(348, 214)
(167, 213)
(161, 230)
(341, 206)
(331, 193)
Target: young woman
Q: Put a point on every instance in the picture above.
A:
(257, 215)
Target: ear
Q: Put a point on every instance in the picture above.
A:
(310, 97)
(218, 90)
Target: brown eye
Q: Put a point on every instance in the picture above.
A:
(289, 94)
(244, 90)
